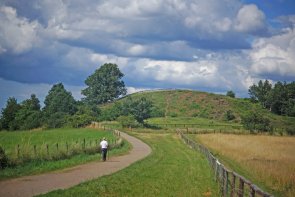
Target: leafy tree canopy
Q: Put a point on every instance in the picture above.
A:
(104, 85)
(9, 114)
(231, 94)
(29, 115)
(260, 92)
(59, 100)
(279, 99)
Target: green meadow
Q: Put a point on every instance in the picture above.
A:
(73, 137)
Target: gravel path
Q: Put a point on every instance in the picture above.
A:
(38, 184)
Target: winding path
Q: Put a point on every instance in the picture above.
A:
(38, 184)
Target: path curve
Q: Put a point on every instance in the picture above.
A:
(62, 179)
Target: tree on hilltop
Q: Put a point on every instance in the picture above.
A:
(104, 85)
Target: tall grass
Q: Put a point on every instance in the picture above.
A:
(27, 139)
(172, 169)
(70, 151)
(268, 160)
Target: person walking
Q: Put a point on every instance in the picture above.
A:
(104, 148)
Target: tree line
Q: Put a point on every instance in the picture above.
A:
(61, 109)
(278, 98)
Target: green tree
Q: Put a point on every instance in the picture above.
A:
(141, 109)
(256, 122)
(104, 85)
(29, 114)
(231, 94)
(59, 104)
(127, 121)
(111, 113)
(278, 98)
(59, 100)
(260, 92)
(9, 113)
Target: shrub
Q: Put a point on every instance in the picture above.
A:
(3, 159)
(127, 121)
(229, 115)
(256, 122)
(290, 131)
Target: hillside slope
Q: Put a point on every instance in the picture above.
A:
(187, 103)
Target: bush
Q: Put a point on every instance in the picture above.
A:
(290, 131)
(229, 115)
(256, 122)
(3, 159)
(127, 121)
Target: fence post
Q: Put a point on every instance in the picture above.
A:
(222, 180)
(67, 145)
(241, 188)
(47, 149)
(18, 151)
(226, 183)
(232, 193)
(84, 143)
(35, 151)
(252, 191)
(57, 147)
(216, 169)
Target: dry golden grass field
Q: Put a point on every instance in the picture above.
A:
(269, 160)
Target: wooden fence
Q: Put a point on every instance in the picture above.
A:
(230, 183)
(90, 146)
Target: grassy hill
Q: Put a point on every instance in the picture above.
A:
(193, 105)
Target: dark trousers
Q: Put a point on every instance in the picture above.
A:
(104, 152)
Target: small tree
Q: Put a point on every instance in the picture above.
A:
(3, 159)
(9, 113)
(29, 114)
(127, 121)
(141, 109)
(229, 115)
(256, 122)
(231, 94)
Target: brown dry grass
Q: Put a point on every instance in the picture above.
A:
(269, 159)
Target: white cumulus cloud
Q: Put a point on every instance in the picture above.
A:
(17, 34)
(250, 19)
(274, 55)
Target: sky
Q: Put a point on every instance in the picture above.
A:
(206, 45)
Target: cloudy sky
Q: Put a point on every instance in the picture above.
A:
(207, 45)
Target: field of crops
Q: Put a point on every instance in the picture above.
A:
(265, 160)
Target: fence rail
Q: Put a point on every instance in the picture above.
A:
(56, 151)
(230, 183)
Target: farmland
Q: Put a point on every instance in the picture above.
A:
(266, 160)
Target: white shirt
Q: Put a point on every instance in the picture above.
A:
(104, 144)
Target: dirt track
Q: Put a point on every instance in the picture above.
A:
(38, 184)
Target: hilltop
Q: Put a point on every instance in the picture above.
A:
(190, 104)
